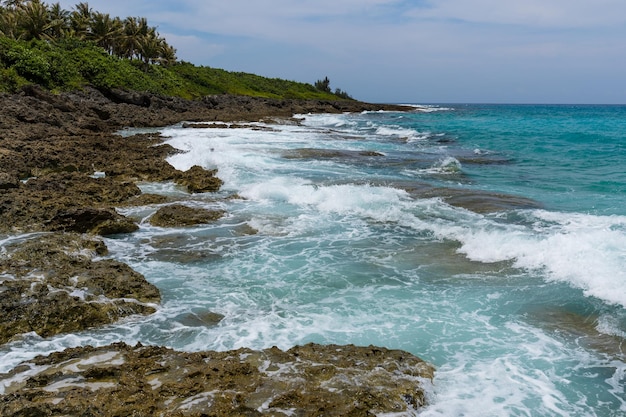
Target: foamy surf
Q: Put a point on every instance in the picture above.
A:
(346, 233)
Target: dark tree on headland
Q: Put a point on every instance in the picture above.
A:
(324, 85)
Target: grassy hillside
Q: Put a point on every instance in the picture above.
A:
(68, 64)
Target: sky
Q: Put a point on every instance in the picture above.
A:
(406, 51)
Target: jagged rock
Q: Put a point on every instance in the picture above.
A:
(146, 199)
(119, 95)
(67, 201)
(50, 284)
(91, 220)
(310, 380)
(200, 180)
(8, 181)
(227, 126)
(178, 215)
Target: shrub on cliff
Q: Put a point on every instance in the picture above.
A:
(71, 63)
(62, 50)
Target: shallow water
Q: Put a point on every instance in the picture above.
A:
(488, 240)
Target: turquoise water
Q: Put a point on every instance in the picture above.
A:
(490, 240)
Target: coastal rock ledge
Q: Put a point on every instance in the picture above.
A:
(52, 283)
(309, 380)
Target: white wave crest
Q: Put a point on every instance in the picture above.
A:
(586, 251)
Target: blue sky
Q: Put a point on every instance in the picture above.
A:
(429, 51)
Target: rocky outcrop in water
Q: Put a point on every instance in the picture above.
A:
(63, 172)
(310, 380)
(67, 201)
(178, 215)
(199, 180)
(51, 284)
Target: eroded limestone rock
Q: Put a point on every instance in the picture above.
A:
(67, 201)
(178, 215)
(50, 284)
(310, 380)
(200, 180)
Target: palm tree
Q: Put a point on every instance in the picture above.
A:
(8, 23)
(12, 4)
(79, 20)
(33, 21)
(168, 54)
(105, 32)
(150, 48)
(135, 29)
(59, 21)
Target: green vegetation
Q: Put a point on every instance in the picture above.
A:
(324, 85)
(62, 51)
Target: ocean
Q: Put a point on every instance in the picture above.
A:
(489, 240)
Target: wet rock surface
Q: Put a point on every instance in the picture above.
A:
(309, 380)
(199, 180)
(67, 201)
(178, 215)
(63, 172)
(62, 140)
(51, 284)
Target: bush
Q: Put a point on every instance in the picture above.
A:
(10, 81)
(70, 64)
(30, 64)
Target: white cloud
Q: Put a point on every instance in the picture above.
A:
(194, 49)
(474, 50)
(532, 13)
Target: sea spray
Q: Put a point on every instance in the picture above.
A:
(520, 309)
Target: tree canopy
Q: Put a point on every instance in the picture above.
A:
(131, 38)
(63, 50)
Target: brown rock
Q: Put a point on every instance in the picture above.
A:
(66, 201)
(91, 220)
(310, 380)
(146, 199)
(51, 285)
(8, 181)
(200, 180)
(178, 215)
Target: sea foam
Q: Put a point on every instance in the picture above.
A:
(586, 251)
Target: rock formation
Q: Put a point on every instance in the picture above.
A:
(50, 284)
(309, 380)
(63, 172)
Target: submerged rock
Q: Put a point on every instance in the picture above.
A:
(314, 153)
(200, 319)
(50, 284)
(178, 215)
(310, 380)
(584, 330)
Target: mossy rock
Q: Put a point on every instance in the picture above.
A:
(178, 215)
(309, 380)
(200, 180)
(50, 284)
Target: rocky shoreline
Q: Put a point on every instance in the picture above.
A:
(63, 172)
